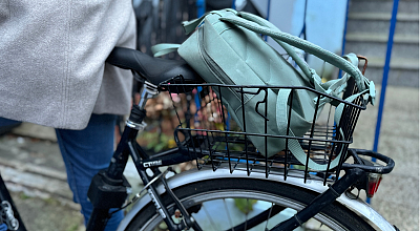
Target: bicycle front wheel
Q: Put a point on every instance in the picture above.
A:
(247, 204)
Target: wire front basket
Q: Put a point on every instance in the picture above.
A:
(245, 136)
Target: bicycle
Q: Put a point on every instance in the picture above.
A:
(276, 192)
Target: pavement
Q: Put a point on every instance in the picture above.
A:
(397, 198)
(34, 171)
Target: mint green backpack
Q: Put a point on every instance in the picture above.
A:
(227, 49)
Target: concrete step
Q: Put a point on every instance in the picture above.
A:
(402, 78)
(383, 6)
(40, 183)
(35, 131)
(378, 49)
(400, 64)
(382, 38)
(382, 27)
(41, 171)
(403, 72)
(367, 34)
(401, 17)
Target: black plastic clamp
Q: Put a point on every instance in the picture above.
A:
(106, 193)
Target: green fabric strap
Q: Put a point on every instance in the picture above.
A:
(340, 108)
(283, 96)
(164, 48)
(361, 82)
(290, 50)
(293, 145)
(190, 26)
(334, 87)
(304, 45)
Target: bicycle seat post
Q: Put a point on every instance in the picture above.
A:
(109, 187)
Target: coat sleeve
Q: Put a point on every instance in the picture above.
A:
(52, 63)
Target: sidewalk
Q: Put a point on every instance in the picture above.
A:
(397, 198)
(34, 171)
(34, 174)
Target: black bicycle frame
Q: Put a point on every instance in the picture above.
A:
(13, 219)
(113, 178)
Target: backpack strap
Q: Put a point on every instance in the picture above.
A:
(361, 81)
(190, 26)
(282, 110)
(164, 48)
(290, 50)
(334, 87)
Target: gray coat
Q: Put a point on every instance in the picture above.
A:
(52, 60)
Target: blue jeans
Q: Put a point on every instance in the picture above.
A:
(85, 152)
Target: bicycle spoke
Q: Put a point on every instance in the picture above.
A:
(260, 218)
(209, 217)
(246, 215)
(269, 215)
(228, 214)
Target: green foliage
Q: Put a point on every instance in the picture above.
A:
(157, 141)
(245, 205)
(51, 201)
(23, 196)
(73, 227)
(300, 167)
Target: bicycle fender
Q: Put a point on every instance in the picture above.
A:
(356, 205)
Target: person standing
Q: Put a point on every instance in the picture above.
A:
(53, 73)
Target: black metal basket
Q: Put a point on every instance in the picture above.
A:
(207, 132)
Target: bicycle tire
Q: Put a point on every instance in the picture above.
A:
(196, 193)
